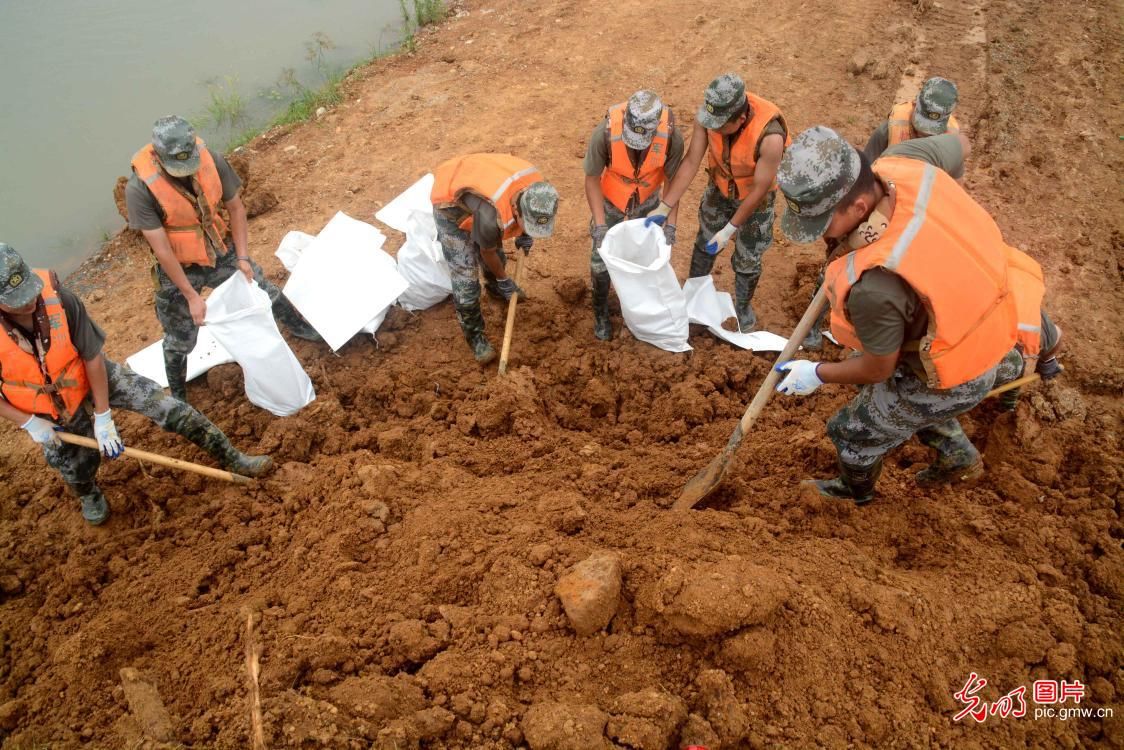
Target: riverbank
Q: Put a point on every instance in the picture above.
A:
(401, 563)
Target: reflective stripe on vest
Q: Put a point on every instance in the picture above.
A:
(188, 220)
(732, 172)
(60, 392)
(620, 181)
(1029, 287)
(497, 178)
(900, 124)
(951, 253)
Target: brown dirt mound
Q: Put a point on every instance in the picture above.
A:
(402, 561)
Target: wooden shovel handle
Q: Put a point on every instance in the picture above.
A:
(156, 458)
(505, 350)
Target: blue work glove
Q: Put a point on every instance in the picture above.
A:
(508, 288)
(720, 238)
(657, 215)
(801, 380)
(524, 243)
(42, 430)
(106, 433)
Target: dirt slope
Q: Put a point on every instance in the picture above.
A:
(401, 562)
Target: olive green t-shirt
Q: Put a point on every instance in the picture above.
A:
(885, 310)
(598, 153)
(485, 220)
(880, 141)
(144, 210)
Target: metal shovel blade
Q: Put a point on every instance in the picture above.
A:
(703, 483)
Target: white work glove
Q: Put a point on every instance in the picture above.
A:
(657, 215)
(720, 238)
(106, 433)
(801, 379)
(42, 430)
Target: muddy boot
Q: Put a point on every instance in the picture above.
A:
(175, 368)
(247, 465)
(813, 342)
(284, 312)
(189, 422)
(744, 287)
(702, 262)
(853, 483)
(957, 459)
(94, 507)
(602, 325)
(472, 325)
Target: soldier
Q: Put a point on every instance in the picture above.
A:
(480, 200)
(630, 153)
(926, 295)
(929, 114)
(743, 137)
(173, 198)
(54, 376)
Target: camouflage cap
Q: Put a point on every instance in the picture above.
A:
(174, 141)
(538, 205)
(19, 286)
(724, 98)
(934, 106)
(641, 119)
(816, 172)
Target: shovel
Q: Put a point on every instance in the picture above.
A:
(707, 480)
(505, 350)
(156, 458)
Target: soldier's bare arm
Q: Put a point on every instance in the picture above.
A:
(861, 370)
(99, 382)
(595, 197)
(162, 249)
(696, 150)
(239, 232)
(764, 174)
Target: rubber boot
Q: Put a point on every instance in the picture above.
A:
(94, 507)
(284, 312)
(175, 368)
(472, 325)
(853, 483)
(702, 262)
(602, 325)
(813, 342)
(189, 422)
(744, 287)
(957, 459)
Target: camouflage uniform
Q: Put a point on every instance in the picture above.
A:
(180, 331)
(884, 415)
(129, 391)
(750, 242)
(463, 257)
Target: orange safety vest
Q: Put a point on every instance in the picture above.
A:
(620, 180)
(901, 124)
(732, 170)
(1029, 287)
(497, 178)
(24, 385)
(950, 251)
(187, 219)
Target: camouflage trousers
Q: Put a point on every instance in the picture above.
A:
(614, 216)
(465, 267)
(750, 242)
(180, 331)
(131, 392)
(885, 415)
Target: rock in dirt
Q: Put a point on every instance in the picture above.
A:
(591, 591)
(146, 706)
(11, 713)
(711, 599)
(646, 720)
(697, 731)
(718, 702)
(563, 726)
(377, 698)
(411, 641)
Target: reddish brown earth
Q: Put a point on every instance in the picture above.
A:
(401, 562)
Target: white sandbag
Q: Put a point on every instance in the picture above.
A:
(652, 302)
(709, 307)
(149, 361)
(291, 247)
(240, 317)
(423, 265)
(396, 214)
(343, 280)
